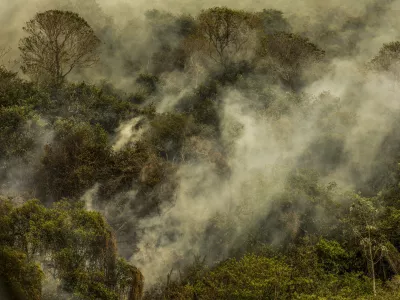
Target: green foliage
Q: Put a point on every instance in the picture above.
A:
(148, 83)
(125, 168)
(93, 104)
(251, 277)
(21, 278)
(130, 280)
(205, 112)
(332, 256)
(21, 126)
(74, 161)
(17, 92)
(167, 134)
(298, 276)
(73, 244)
(17, 134)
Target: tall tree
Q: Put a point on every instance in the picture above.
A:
(225, 34)
(364, 218)
(273, 21)
(57, 42)
(286, 55)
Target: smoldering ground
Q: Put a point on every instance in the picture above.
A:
(266, 132)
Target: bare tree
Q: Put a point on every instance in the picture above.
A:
(286, 54)
(57, 42)
(225, 34)
(364, 218)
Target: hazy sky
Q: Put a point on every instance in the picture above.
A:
(14, 13)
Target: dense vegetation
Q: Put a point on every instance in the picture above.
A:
(206, 167)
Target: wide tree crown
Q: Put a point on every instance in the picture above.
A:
(57, 42)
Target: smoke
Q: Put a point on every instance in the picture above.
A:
(181, 232)
(128, 36)
(17, 174)
(360, 113)
(89, 196)
(128, 132)
(266, 131)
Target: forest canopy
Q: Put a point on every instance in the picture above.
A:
(219, 154)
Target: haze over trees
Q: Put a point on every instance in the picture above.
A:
(227, 154)
(225, 34)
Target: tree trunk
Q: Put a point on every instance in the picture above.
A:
(371, 259)
(136, 291)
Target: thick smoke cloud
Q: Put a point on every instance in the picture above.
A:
(263, 153)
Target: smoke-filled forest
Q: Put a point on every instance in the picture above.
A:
(199, 150)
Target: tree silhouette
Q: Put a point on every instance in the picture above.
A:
(57, 42)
